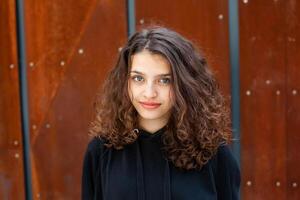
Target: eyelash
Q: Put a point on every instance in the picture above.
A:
(134, 78)
(163, 83)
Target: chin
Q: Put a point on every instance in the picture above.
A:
(149, 116)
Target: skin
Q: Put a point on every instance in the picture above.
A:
(151, 81)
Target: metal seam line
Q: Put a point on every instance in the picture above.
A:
(131, 17)
(23, 96)
(235, 81)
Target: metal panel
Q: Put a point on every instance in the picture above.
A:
(70, 45)
(204, 22)
(263, 99)
(293, 99)
(11, 154)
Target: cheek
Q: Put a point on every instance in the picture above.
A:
(167, 95)
(171, 96)
(132, 91)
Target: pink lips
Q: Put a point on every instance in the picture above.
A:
(150, 105)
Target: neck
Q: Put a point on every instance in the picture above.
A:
(152, 126)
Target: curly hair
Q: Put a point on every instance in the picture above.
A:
(200, 120)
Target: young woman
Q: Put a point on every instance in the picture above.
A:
(162, 128)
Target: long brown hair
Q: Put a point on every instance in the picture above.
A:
(200, 120)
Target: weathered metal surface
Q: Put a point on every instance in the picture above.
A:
(11, 151)
(293, 99)
(70, 47)
(263, 99)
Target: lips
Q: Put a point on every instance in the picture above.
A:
(150, 105)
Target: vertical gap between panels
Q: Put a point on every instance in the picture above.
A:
(23, 96)
(131, 17)
(235, 82)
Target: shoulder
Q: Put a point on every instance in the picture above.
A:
(224, 154)
(91, 164)
(226, 173)
(95, 143)
(226, 165)
(224, 159)
(93, 153)
(95, 147)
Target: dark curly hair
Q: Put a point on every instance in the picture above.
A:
(200, 120)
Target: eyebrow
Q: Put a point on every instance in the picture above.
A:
(168, 74)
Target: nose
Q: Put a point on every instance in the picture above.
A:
(150, 91)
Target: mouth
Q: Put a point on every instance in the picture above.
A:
(150, 105)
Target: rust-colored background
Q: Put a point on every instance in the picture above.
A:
(11, 148)
(269, 92)
(70, 46)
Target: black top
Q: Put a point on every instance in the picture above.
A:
(140, 172)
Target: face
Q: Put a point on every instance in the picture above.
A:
(150, 86)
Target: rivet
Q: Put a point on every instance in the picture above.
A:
(11, 66)
(249, 183)
(80, 51)
(277, 92)
(17, 155)
(60, 118)
(253, 38)
(278, 183)
(47, 125)
(120, 49)
(31, 64)
(294, 92)
(220, 16)
(248, 92)
(294, 184)
(34, 127)
(268, 82)
(16, 142)
(291, 39)
(62, 63)
(142, 21)
(38, 195)
(245, 1)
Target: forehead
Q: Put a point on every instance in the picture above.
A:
(149, 63)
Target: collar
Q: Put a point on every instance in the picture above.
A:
(143, 134)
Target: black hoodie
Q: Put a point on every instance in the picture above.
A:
(141, 172)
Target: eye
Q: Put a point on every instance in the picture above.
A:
(165, 81)
(137, 78)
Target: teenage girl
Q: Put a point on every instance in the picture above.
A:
(162, 127)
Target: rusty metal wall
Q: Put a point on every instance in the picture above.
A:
(293, 98)
(11, 156)
(65, 68)
(70, 47)
(72, 44)
(204, 22)
(270, 117)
